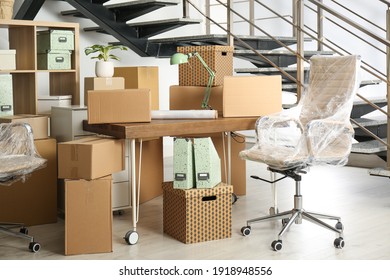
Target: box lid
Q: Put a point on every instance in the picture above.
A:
(220, 189)
(56, 31)
(71, 108)
(54, 97)
(7, 52)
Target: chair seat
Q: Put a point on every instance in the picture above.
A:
(18, 164)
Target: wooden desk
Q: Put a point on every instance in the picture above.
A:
(161, 128)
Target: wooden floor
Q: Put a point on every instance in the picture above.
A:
(363, 202)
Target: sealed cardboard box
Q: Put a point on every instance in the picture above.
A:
(38, 123)
(88, 216)
(197, 215)
(7, 59)
(6, 95)
(191, 97)
(141, 77)
(218, 58)
(119, 106)
(251, 96)
(33, 202)
(45, 102)
(99, 83)
(90, 157)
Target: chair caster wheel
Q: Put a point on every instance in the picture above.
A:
(131, 237)
(24, 230)
(246, 230)
(285, 221)
(339, 243)
(234, 198)
(277, 245)
(34, 247)
(339, 226)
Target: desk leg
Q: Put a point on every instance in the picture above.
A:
(131, 236)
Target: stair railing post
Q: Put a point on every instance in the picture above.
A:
(229, 20)
(299, 6)
(320, 28)
(252, 17)
(186, 7)
(388, 84)
(208, 14)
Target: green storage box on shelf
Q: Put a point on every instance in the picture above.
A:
(6, 95)
(54, 60)
(55, 39)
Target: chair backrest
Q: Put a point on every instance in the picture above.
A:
(18, 156)
(333, 83)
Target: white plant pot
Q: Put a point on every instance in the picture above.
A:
(104, 69)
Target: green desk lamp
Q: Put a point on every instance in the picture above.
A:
(179, 58)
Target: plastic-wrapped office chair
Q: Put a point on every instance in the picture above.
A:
(18, 159)
(316, 131)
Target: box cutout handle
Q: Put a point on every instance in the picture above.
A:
(62, 39)
(180, 176)
(60, 59)
(5, 108)
(203, 176)
(224, 53)
(209, 198)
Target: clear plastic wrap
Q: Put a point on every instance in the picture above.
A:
(318, 130)
(18, 156)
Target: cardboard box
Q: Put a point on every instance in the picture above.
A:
(88, 216)
(252, 96)
(191, 97)
(197, 215)
(39, 124)
(141, 77)
(98, 83)
(7, 59)
(119, 106)
(45, 102)
(218, 58)
(6, 95)
(33, 202)
(90, 158)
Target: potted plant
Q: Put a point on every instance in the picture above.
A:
(104, 67)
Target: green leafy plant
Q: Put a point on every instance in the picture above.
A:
(104, 51)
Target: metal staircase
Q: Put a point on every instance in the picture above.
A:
(269, 55)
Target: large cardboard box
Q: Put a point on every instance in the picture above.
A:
(191, 97)
(197, 215)
(141, 77)
(7, 59)
(99, 83)
(119, 106)
(33, 202)
(88, 216)
(218, 58)
(251, 96)
(90, 157)
(38, 123)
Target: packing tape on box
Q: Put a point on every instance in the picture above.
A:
(184, 114)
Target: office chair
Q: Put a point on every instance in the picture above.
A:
(316, 131)
(18, 159)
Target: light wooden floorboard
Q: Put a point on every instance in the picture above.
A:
(362, 201)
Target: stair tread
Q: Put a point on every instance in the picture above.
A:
(164, 21)
(282, 52)
(369, 147)
(369, 122)
(379, 172)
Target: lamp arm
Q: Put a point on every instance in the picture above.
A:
(210, 81)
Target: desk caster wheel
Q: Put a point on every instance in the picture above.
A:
(277, 245)
(246, 230)
(24, 230)
(339, 243)
(34, 247)
(339, 226)
(285, 221)
(234, 198)
(131, 237)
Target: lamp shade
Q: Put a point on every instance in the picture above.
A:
(179, 58)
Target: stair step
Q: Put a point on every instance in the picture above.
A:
(366, 122)
(153, 28)
(129, 10)
(369, 147)
(379, 172)
(268, 70)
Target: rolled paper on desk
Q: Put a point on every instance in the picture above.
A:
(184, 114)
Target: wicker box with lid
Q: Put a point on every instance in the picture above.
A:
(218, 58)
